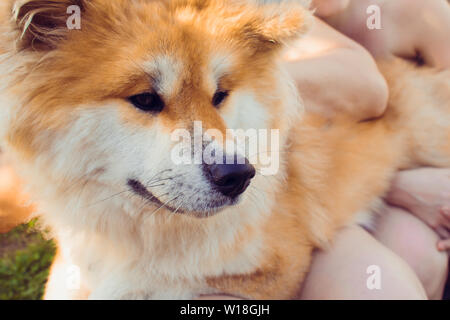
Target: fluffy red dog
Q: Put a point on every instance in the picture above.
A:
(88, 114)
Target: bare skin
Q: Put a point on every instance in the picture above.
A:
(411, 29)
(431, 205)
(419, 218)
(341, 271)
(319, 62)
(412, 240)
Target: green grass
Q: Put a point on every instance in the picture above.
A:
(25, 258)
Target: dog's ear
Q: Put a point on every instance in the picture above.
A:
(41, 24)
(268, 25)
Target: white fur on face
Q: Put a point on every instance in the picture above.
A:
(245, 112)
(220, 65)
(165, 72)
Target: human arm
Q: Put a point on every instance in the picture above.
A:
(335, 75)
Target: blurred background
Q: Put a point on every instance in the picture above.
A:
(25, 252)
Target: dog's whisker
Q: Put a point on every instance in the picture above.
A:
(157, 175)
(179, 206)
(156, 185)
(148, 201)
(108, 198)
(165, 179)
(164, 205)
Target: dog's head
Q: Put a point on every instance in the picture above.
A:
(130, 95)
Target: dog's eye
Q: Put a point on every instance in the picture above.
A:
(218, 98)
(148, 102)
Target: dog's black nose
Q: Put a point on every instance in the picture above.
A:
(231, 179)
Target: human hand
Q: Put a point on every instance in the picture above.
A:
(425, 193)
